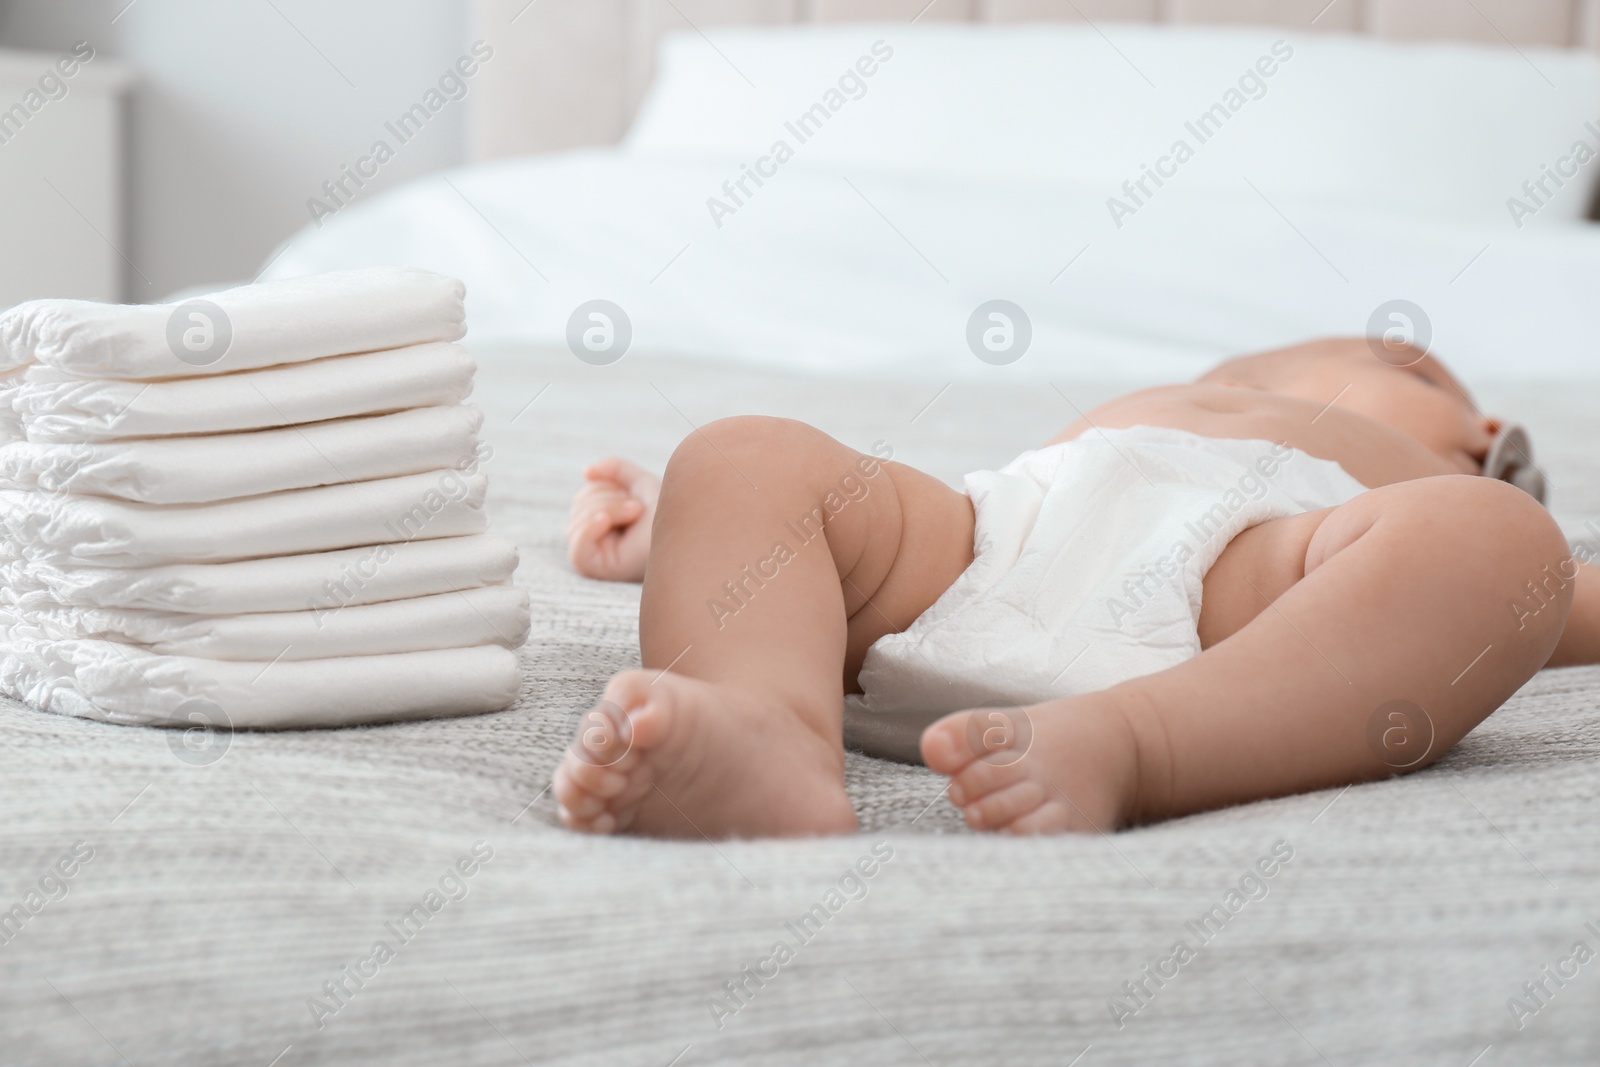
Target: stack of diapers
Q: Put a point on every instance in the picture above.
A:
(269, 501)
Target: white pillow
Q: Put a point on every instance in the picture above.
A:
(1448, 131)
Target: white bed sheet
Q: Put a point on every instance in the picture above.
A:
(833, 270)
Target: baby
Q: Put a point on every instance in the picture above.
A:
(1288, 575)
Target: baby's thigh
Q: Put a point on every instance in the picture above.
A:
(1255, 569)
(920, 543)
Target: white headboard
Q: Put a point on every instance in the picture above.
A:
(568, 73)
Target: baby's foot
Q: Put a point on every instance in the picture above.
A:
(687, 758)
(1063, 765)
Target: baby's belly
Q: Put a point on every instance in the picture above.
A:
(1373, 453)
(1246, 414)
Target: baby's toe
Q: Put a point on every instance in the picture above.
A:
(571, 794)
(994, 735)
(1004, 806)
(603, 823)
(584, 806)
(650, 698)
(980, 778)
(1050, 817)
(604, 736)
(641, 784)
(944, 744)
(601, 781)
(596, 798)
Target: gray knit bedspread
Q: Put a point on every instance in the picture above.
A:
(403, 895)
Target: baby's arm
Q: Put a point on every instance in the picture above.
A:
(608, 535)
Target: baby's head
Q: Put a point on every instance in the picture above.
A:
(1415, 392)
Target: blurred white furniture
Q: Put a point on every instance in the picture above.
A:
(60, 179)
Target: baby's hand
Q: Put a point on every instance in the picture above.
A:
(608, 536)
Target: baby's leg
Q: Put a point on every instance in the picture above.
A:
(1580, 640)
(777, 557)
(1340, 645)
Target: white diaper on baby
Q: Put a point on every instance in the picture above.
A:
(1089, 557)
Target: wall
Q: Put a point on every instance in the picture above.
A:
(243, 109)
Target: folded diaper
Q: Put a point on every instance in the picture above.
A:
(492, 615)
(52, 406)
(123, 684)
(201, 469)
(291, 583)
(10, 424)
(270, 500)
(1088, 569)
(93, 531)
(288, 321)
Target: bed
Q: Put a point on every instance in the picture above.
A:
(225, 905)
(222, 896)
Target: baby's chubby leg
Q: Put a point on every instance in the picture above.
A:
(1340, 645)
(1580, 640)
(777, 557)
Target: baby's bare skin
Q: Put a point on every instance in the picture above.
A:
(1309, 622)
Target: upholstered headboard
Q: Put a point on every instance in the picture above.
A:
(568, 73)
